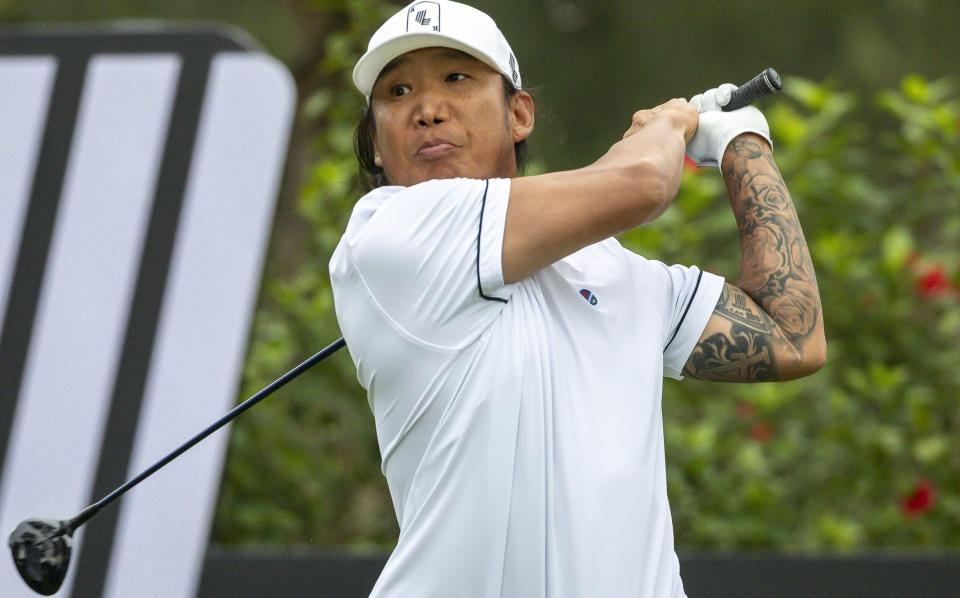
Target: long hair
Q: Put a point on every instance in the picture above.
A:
(372, 176)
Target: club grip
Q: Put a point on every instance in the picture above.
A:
(763, 84)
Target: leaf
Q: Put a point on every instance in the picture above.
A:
(915, 89)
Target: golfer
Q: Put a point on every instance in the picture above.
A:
(512, 349)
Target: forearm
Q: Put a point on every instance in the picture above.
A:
(775, 267)
(652, 157)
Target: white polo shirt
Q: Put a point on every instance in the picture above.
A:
(519, 425)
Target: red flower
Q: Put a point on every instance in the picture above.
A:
(688, 163)
(920, 500)
(761, 431)
(933, 283)
(746, 410)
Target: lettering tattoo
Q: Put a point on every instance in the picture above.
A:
(733, 305)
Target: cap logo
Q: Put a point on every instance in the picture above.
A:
(513, 70)
(424, 16)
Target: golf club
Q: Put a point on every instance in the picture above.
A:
(41, 547)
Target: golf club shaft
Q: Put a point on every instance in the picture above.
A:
(93, 509)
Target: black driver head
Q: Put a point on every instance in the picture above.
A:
(41, 552)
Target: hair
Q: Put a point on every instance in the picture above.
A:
(372, 176)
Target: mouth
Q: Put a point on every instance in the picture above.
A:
(436, 148)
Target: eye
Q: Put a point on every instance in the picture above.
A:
(399, 90)
(457, 77)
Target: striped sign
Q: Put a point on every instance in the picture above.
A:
(138, 178)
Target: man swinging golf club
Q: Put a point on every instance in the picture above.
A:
(513, 351)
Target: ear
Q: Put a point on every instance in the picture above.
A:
(521, 116)
(376, 153)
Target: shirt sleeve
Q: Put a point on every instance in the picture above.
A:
(430, 259)
(685, 297)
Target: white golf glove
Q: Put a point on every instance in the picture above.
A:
(717, 128)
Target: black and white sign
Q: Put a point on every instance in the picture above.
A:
(138, 178)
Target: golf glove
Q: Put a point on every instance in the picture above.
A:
(717, 128)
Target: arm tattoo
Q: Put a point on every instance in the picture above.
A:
(775, 267)
(743, 354)
(734, 306)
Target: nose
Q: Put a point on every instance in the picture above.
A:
(431, 110)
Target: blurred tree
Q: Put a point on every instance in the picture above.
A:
(595, 62)
(275, 24)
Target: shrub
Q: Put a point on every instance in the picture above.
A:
(864, 453)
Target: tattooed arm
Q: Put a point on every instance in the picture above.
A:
(770, 327)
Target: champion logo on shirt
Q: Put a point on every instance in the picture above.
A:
(588, 296)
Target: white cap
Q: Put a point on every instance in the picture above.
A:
(429, 23)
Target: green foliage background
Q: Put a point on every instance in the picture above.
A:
(829, 461)
(824, 463)
(821, 464)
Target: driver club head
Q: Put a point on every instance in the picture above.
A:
(41, 552)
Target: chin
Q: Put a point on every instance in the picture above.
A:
(443, 171)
